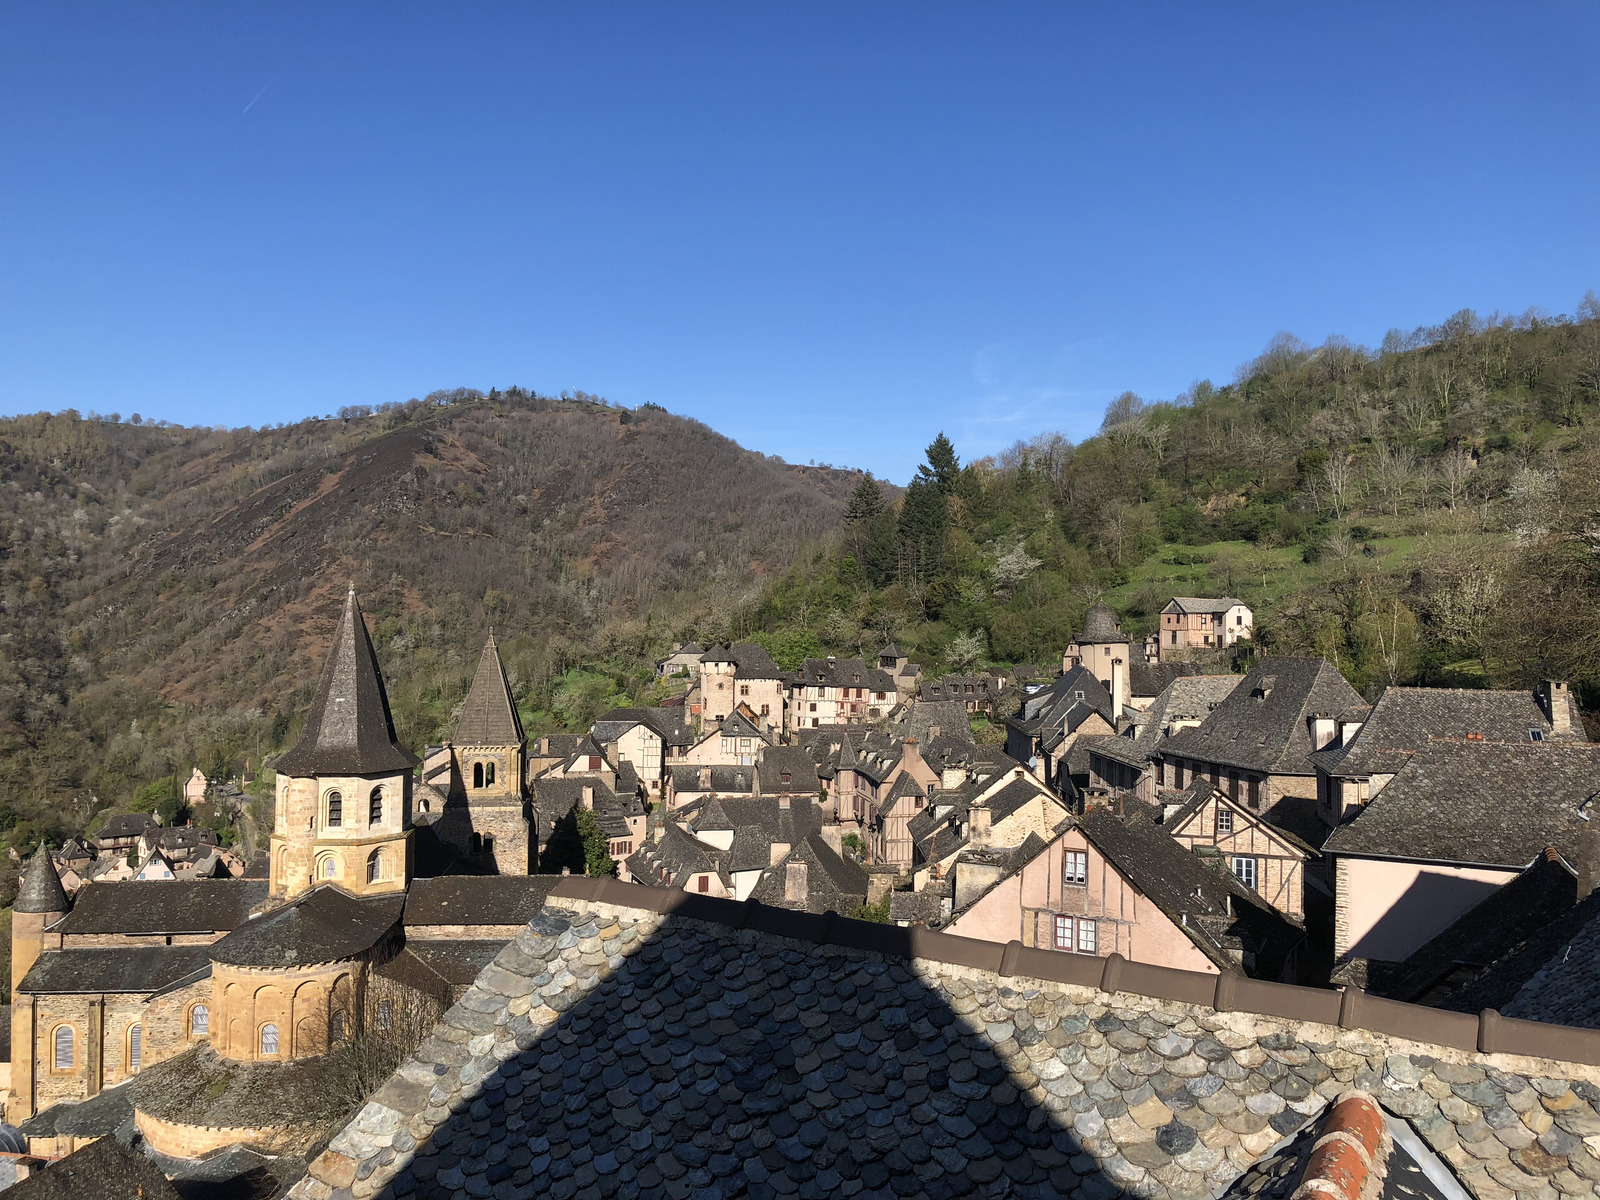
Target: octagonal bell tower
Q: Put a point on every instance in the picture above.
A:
(343, 811)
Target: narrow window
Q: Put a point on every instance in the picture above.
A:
(336, 1029)
(385, 1013)
(135, 1047)
(375, 807)
(477, 775)
(335, 810)
(375, 866)
(1075, 867)
(488, 843)
(488, 774)
(63, 1057)
(1063, 933)
(199, 1021)
(1088, 936)
(1245, 869)
(1224, 821)
(1253, 791)
(477, 843)
(269, 1039)
(594, 763)
(705, 883)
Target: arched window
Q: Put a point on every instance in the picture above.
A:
(135, 1047)
(336, 1029)
(335, 810)
(63, 1056)
(269, 1039)
(199, 1021)
(477, 843)
(375, 866)
(330, 867)
(477, 775)
(385, 1013)
(488, 774)
(375, 807)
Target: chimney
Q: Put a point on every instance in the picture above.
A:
(978, 827)
(588, 796)
(880, 883)
(1557, 707)
(705, 778)
(1119, 689)
(1588, 850)
(910, 755)
(779, 849)
(783, 800)
(795, 887)
(834, 836)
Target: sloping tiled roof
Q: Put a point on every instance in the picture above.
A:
(1562, 991)
(1262, 725)
(832, 881)
(1204, 604)
(778, 761)
(477, 899)
(41, 890)
(671, 859)
(105, 1169)
(427, 963)
(324, 925)
(1100, 624)
(1478, 802)
(1150, 679)
(949, 717)
(349, 730)
(133, 970)
(159, 906)
(1406, 718)
(843, 672)
(489, 715)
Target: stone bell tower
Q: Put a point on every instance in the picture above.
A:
(343, 812)
(35, 927)
(487, 816)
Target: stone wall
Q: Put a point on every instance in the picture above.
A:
(623, 1049)
(301, 1002)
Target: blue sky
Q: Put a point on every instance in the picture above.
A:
(827, 230)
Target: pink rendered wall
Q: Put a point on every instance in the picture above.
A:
(1387, 910)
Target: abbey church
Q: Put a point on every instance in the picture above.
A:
(219, 998)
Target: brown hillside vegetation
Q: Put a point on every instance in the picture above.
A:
(168, 592)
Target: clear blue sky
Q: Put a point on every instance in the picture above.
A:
(828, 230)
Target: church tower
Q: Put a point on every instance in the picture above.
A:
(343, 812)
(35, 918)
(489, 757)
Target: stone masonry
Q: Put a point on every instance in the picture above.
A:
(616, 1052)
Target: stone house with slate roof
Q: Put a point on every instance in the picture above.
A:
(1000, 811)
(840, 691)
(1051, 722)
(986, 694)
(684, 660)
(736, 742)
(1107, 653)
(756, 833)
(1458, 820)
(649, 740)
(813, 877)
(641, 1041)
(1125, 763)
(1264, 858)
(1204, 623)
(122, 832)
(1256, 744)
(742, 673)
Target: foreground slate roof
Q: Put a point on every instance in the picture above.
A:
(105, 1169)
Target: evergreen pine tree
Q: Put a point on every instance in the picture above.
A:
(943, 468)
(865, 503)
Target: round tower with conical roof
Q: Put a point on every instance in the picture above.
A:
(343, 811)
(1103, 650)
(35, 927)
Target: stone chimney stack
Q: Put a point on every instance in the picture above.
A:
(777, 852)
(705, 778)
(978, 828)
(796, 888)
(910, 754)
(834, 836)
(588, 796)
(1119, 689)
(1556, 702)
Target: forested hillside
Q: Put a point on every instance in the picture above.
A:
(1425, 512)
(167, 593)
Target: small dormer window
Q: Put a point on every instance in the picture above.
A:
(1536, 735)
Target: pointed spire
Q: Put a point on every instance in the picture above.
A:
(349, 730)
(41, 890)
(489, 714)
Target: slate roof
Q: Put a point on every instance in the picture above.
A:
(199, 1087)
(833, 883)
(476, 899)
(324, 925)
(1196, 897)
(1262, 725)
(667, 724)
(726, 780)
(949, 717)
(673, 858)
(1057, 709)
(132, 970)
(776, 762)
(750, 661)
(1405, 719)
(125, 825)
(926, 907)
(98, 1116)
(105, 1169)
(1100, 624)
(1203, 604)
(155, 906)
(1561, 989)
(1150, 679)
(1477, 802)
(1497, 929)
(489, 715)
(40, 890)
(349, 730)
(432, 964)
(843, 672)
(554, 799)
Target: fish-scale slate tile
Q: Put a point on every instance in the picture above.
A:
(619, 1053)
